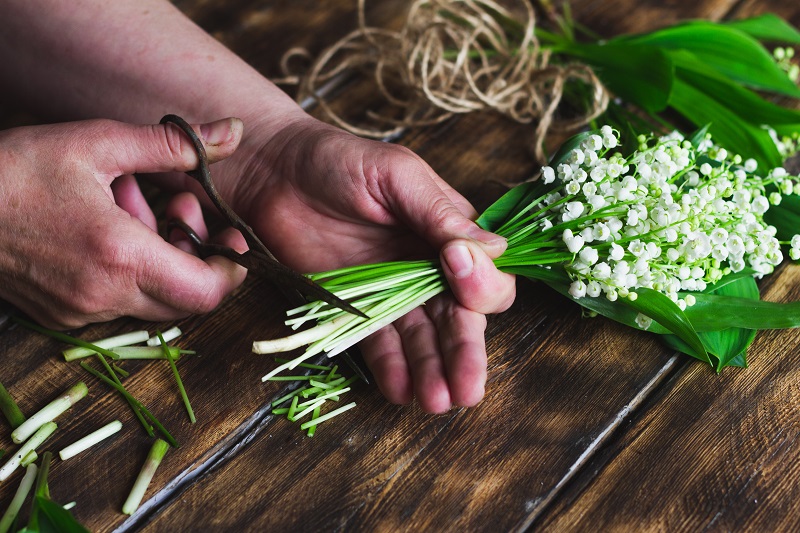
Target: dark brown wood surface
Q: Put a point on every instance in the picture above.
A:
(586, 425)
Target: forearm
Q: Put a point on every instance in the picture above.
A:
(131, 60)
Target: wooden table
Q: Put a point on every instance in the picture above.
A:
(586, 425)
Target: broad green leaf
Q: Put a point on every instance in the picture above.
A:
(744, 102)
(730, 278)
(568, 146)
(713, 312)
(638, 74)
(728, 50)
(661, 309)
(677, 344)
(728, 129)
(698, 136)
(557, 279)
(727, 344)
(53, 518)
(740, 361)
(768, 27)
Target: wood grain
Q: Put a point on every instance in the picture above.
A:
(711, 452)
(586, 425)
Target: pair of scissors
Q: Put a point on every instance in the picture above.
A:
(258, 259)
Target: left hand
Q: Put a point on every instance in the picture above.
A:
(322, 198)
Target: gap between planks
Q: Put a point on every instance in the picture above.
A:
(661, 378)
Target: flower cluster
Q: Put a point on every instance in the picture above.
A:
(672, 216)
(783, 57)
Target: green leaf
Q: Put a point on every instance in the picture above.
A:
(732, 52)
(740, 361)
(744, 102)
(517, 198)
(652, 303)
(729, 343)
(660, 308)
(511, 203)
(713, 312)
(698, 136)
(728, 129)
(622, 67)
(730, 278)
(53, 518)
(568, 146)
(768, 27)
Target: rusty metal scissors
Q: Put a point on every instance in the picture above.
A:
(258, 258)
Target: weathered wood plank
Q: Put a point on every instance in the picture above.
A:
(551, 391)
(714, 452)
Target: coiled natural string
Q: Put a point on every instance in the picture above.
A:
(453, 56)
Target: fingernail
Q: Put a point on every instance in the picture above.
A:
(485, 237)
(215, 133)
(459, 260)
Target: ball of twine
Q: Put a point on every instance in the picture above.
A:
(453, 57)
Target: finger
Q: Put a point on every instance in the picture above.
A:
(186, 207)
(121, 148)
(421, 346)
(184, 282)
(129, 197)
(383, 353)
(474, 280)
(463, 346)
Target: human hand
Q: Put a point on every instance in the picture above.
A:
(78, 242)
(321, 198)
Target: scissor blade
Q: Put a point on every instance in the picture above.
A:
(282, 274)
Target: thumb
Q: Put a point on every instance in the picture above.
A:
(130, 149)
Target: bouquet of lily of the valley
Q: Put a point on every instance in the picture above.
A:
(668, 238)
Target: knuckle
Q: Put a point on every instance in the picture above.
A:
(173, 142)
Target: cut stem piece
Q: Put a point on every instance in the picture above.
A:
(146, 474)
(50, 412)
(28, 459)
(41, 435)
(24, 488)
(10, 408)
(90, 440)
(327, 416)
(146, 352)
(169, 335)
(126, 339)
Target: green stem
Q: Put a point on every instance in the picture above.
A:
(110, 371)
(136, 402)
(184, 396)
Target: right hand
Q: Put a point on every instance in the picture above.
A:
(78, 242)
